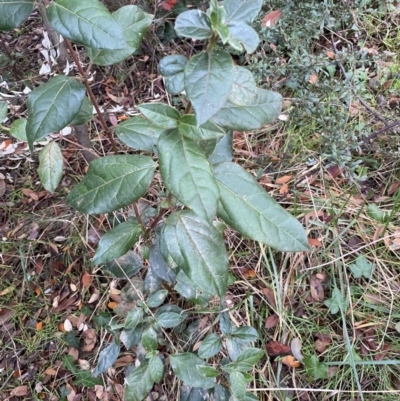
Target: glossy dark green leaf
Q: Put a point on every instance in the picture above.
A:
(149, 339)
(225, 323)
(52, 106)
(156, 369)
(188, 393)
(14, 12)
(107, 357)
(186, 235)
(152, 283)
(238, 384)
(51, 165)
(160, 114)
(125, 266)
(84, 378)
(84, 114)
(86, 22)
(187, 174)
(158, 265)
(243, 37)
(210, 346)
(208, 81)
(223, 151)
(194, 24)
(112, 182)
(130, 338)
(138, 133)
(245, 333)
(190, 290)
(133, 318)
(138, 383)
(221, 393)
(134, 23)
(235, 346)
(188, 127)
(157, 299)
(242, 10)
(18, 129)
(185, 367)
(246, 207)
(264, 110)
(172, 69)
(170, 319)
(248, 358)
(117, 242)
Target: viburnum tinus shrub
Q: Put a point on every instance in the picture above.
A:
(182, 237)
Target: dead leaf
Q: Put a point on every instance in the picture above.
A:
(394, 186)
(313, 78)
(20, 391)
(87, 279)
(331, 55)
(168, 4)
(123, 361)
(246, 273)
(275, 348)
(290, 361)
(271, 321)
(316, 289)
(30, 194)
(284, 189)
(314, 242)
(271, 18)
(39, 326)
(295, 346)
(284, 179)
(2, 188)
(269, 294)
(382, 353)
(322, 345)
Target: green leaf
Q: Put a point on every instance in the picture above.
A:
(107, 357)
(217, 17)
(362, 267)
(160, 114)
(223, 150)
(86, 22)
(158, 265)
(243, 36)
(242, 10)
(245, 333)
(52, 106)
(187, 174)
(376, 213)
(68, 362)
(199, 251)
(264, 110)
(3, 105)
(225, 323)
(152, 283)
(248, 358)
(221, 393)
(188, 127)
(138, 133)
(156, 369)
(112, 182)
(14, 12)
(172, 69)
(337, 302)
(18, 129)
(125, 266)
(208, 81)
(131, 337)
(194, 24)
(246, 207)
(117, 242)
(235, 346)
(238, 384)
(134, 23)
(133, 318)
(149, 339)
(210, 346)
(170, 319)
(185, 367)
(244, 88)
(51, 164)
(84, 378)
(208, 371)
(84, 114)
(138, 383)
(315, 368)
(157, 299)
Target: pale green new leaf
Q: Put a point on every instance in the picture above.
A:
(134, 23)
(14, 12)
(117, 242)
(208, 81)
(52, 106)
(246, 207)
(86, 22)
(242, 36)
(138, 133)
(337, 302)
(84, 114)
(156, 368)
(362, 267)
(208, 371)
(138, 383)
(50, 166)
(18, 129)
(194, 24)
(112, 182)
(188, 127)
(172, 69)
(161, 115)
(198, 249)
(185, 367)
(187, 173)
(242, 10)
(315, 369)
(265, 108)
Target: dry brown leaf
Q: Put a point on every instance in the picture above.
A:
(123, 361)
(290, 361)
(316, 289)
(321, 345)
(394, 186)
(382, 353)
(271, 18)
(313, 78)
(295, 346)
(375, 299)
(2, 188)
(275, 348)
(284, 179)
(269, 294)
(87, 279)
(314, 242)
(20, 391)
(284, 189)
(271, 321)
(168, 4)
(331, 55)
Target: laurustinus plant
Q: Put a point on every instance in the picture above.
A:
(182, 237)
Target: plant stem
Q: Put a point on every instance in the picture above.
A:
(212, 42)
(91, 95)
(3, 128)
